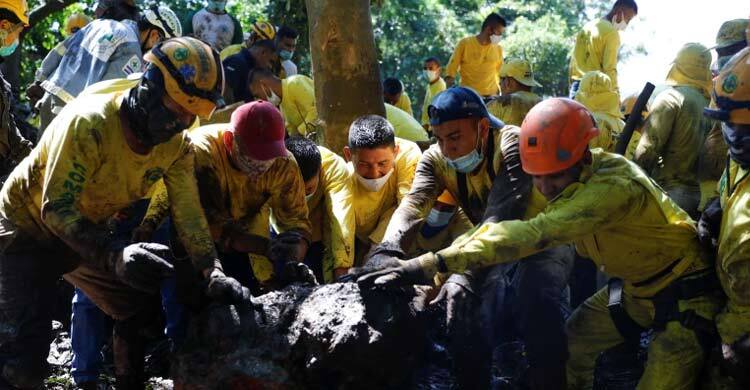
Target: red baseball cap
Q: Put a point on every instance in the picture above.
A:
(260, 128)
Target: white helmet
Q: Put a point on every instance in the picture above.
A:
(163, 18)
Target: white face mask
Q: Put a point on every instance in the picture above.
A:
(619, 25)
(374, 185)
(274, 99)
(431, 75)
(495, 39)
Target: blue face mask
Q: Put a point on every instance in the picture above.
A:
(438, 218)
(739, 145)
(285, 55)
(6, 51)
(469, 162)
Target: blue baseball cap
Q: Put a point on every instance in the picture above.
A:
(459, 103)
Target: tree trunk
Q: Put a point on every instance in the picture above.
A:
(345, 66)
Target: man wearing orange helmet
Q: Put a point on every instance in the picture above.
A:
(14, 17)
(55, 203)
(726, 218)
(615, 215)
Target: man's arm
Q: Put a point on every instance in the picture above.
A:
(51, 62)
(338, 199)
(656, 133)
(237, 37)
(609, 57)
(454, 64)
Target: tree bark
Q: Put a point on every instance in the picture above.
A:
(345, 66)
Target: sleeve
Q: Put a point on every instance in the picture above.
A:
(425, 118)
(407, 104)
(582, 210)
(211, 192)
(158, 206)
(238, 36)
(609, 57)
(187, 213)
(500, 63)
(305, 102)
(187, 24)
(288, 200)
(454, 64)
(124, 61)
(338, 197)
(656, 133)
(734, 321)
(51, 62)
(414, 206)
(407, 169)
(72, 159)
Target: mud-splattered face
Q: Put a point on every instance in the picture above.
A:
(458, 138)
(553, 184)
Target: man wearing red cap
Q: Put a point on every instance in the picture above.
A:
(241, 167)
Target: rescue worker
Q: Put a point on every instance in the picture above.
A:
(259, 52)
(474, 160)
(329, 199)
(713, 156)
(240, 167)
(294, 95)
(105, 49)
(395, 95)
(478, 59)
(675, 128)
(74, 23)
(55, 201)
(626, 108)
(214, 25)
(726, 217)
(598, 44)
(259, 31)
(598, 95)
(382, 169)
(286, 44)
(516, 82)
(613, 213)
(436, 84)
(13, 146)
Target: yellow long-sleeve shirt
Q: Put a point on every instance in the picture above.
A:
(479, 65)
(230, 199)
(404, 103)
(404, 125)
(596, 48)
(615, 215)
(373, 210)
(609, 131)
(733, 261)
(83, 171)
(430, 92)
(512, 108)
(673, 133)
(298, 104)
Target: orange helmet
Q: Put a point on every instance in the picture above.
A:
(555, 136)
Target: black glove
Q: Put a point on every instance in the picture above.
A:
(459, 298)
(384, 255)
(286, 247)
(294, 272)
(419, 270)
(710, 224)
(225, 289)
(142, 266)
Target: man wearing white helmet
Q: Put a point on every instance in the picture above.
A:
(105, 49)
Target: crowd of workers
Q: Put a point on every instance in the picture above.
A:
(175, 165)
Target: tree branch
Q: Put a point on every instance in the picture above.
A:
(46, 9)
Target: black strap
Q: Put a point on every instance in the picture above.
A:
(628, 328)
(658, 275)
(463, 189)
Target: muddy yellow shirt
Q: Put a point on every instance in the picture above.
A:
(479, 65)
(404, 125)
(733, 260)
(596, 48)
(83, 171)
(512, 108)
(298, 104)
(431, 91)
(373, 210)
(615, 215)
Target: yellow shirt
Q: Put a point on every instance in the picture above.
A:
(82, 172)
(615, 215)
(373, 210)
(596, 48)
(479, 65)
(298, 104)
(431, 91)
(404, 103)
(231, 50)
(404, 125)
(609, 131)
(733, 262)
(512, 108)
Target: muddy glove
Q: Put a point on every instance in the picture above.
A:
(294, 272)
(224, 289)
(385, 255)
(419, 270)
(736, 360)
(142, 266)
(459, 298)
(710, 224)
